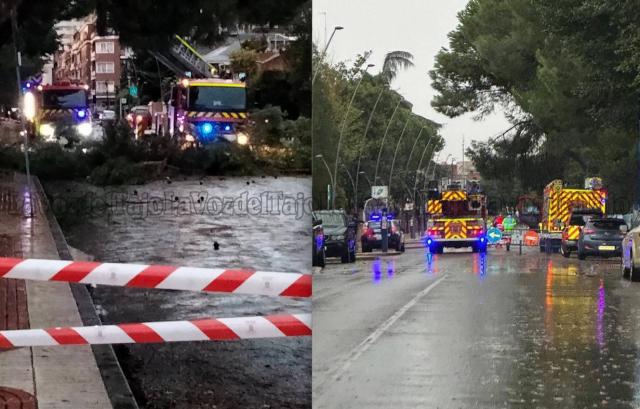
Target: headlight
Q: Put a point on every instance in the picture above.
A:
(189, 138)
(47, 130)
(84, 128)
(243, 138)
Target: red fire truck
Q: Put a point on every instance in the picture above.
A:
(62, 109)
(209, 110)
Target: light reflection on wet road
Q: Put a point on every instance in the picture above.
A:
(501, 330)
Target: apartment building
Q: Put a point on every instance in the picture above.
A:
(94, 60)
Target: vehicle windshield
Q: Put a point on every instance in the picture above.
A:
(331, 219)
(64, 98)
(211, 98)
(608, 224)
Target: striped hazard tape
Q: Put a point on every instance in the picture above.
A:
(221, 329)
(236, 281)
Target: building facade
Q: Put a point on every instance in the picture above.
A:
(91, 59)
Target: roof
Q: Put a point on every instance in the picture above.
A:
(222, 55)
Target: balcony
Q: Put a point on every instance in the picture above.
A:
(93, 55)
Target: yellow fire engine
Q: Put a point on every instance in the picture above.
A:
(457, 218)
(558, 205)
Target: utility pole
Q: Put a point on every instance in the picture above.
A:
(14, 36)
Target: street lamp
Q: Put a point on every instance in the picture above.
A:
(415, 143)
(385, 137)
(326, 165)
(364, 137)
(324, 51)
(353, 185)
(366, 178)
(344, 125)
(395, 153)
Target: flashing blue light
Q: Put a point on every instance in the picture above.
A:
(82, 113)
(481, 239)
(227, 128)
(28, 85)
(429, 241)
(207, 128)
(374, 217)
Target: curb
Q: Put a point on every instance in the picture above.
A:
(113, 377)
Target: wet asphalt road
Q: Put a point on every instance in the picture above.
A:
(148, 224)
(462, 330)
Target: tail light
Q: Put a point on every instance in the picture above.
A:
(565, 235)
(588, 231)
(434, 233)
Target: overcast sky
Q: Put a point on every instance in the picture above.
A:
(417, 26)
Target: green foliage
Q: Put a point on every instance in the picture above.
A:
(566, 74)
(333, 90)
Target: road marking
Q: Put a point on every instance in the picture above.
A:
(335, 375)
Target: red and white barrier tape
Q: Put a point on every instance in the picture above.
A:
(221, 329)
(158, 276)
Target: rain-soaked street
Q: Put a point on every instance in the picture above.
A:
(463, 330)
(180, 222)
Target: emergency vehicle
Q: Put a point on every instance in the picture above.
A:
(209, 110)
(62, 109)
(457, 218)
(558, 205)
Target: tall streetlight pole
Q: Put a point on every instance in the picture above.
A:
(353, 185)
(415, 143)
(395, 153)
(14, 37)
(324, 51)
(331, 179)
(366, 178)
(342, 128)
(375, 177)
(364, 138)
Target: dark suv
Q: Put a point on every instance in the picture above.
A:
(339, 234)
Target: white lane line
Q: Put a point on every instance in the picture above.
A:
(335, 375)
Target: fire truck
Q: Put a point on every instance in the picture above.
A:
(208, 110)
(457, 218)
(558, 205)
(62, 109)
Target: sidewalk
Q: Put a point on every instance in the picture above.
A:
(59, 377)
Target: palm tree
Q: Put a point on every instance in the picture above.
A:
(393, 62)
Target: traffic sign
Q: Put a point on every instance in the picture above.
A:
(379, 192)
(494, 235)
(123, 100)
(133, 91)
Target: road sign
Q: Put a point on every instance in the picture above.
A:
(408, 206)
(133, 91)
(494, 235)
(379, 192)
(123, 100)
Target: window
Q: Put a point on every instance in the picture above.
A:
(104, 47)
(105, 68)
(103, 86)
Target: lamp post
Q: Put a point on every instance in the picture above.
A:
(364, 137)
(415, 143)
(395, 153)
(385, 137)
(28, 101)
(366, 178)
(342, 128)
(324, 51)
(330, 177)
(353, 185)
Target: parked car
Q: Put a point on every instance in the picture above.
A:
(372, 236)
(319, 254)
(601, 237)
(571, 231)
(631, 254)
(106, 116)
(339, 234)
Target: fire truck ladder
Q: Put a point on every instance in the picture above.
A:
(182, 57)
